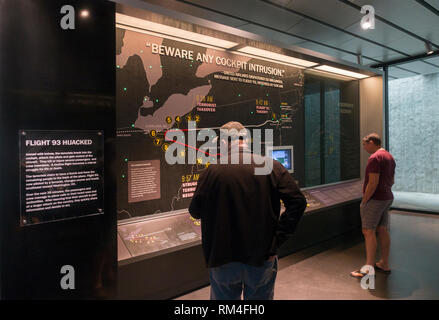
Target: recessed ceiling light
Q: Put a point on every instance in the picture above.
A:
(328, 74)
(85, 13)
(277, 56)
(342, 72)
(173, 32)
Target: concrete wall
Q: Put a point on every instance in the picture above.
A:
(371, 112)
(414, 132)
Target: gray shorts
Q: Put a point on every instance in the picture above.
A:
(375, 213)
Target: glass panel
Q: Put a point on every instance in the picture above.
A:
(332, 150)
(332, 132)
(312, 133)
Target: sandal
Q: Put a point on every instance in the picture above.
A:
(381, 269)
(358, 272)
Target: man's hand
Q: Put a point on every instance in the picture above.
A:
(371, 187)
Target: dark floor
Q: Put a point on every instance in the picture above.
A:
(322, 272)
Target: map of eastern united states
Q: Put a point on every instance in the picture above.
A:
(175, 85)
(152, 87)
(176, 105)
(179, 104)
(135, 43)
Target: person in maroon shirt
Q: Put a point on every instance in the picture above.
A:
(377, 199)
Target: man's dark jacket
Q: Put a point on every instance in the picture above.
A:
(239, 212)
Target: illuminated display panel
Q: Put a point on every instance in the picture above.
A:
(285, 155)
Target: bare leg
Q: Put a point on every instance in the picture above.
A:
(385, 248)
(371, 245)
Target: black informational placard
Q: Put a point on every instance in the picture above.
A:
(61, 175)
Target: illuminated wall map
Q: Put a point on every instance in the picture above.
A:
(163, 83)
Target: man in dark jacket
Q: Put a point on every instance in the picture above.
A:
(241, 223)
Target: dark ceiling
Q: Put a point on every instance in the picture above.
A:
(333, 27)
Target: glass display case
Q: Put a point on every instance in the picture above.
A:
(162, 234)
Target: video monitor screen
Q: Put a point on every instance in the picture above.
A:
(285, 157)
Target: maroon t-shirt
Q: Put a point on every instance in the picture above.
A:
(383, 163)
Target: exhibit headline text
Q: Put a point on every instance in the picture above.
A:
(209, 58)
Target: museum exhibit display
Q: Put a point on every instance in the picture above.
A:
(175, 88)
(107, 124)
